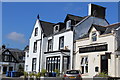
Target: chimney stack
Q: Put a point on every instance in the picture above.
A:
(3, 46)
(96, 11)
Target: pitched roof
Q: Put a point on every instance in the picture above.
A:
(102, 29)
(84, 36)
(17, 53)
(111, 27)
(98, 28)
(47, 27)
(73, 17)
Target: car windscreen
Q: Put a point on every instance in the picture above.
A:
(72, 72)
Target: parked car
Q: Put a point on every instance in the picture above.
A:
(72, 75)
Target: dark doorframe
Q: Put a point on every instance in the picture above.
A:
(4, 69)
(104, 64)
(10, 68)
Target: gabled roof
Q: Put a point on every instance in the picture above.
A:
(102, 29)
(73, 17)
(47, 27)
(16, 53)
(111, 27)
(98, 28)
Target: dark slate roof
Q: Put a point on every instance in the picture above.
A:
(102, 29)
(26, 48)
(98, 28)
(17, 53)
(47, 27)
(111, 27)
(84, 36)
(73, 17)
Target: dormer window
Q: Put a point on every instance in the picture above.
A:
(68, 24)
(94, 36)
(36, 31)
(56, 28)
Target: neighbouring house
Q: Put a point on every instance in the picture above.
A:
(99, 51)
(52, 45)
(11, 59)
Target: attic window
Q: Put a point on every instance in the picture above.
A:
(94, 36)
(68, 24)
(56, 28)
(36, 31)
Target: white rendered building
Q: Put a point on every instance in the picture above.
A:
(99, 51)
(52, 46)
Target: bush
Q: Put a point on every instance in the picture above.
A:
(102, 74)
(43, 71)
(37, 75)
(31, 76)
(25, 74)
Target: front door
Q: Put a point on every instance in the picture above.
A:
(4, 70)
(104, 64)
(10, 68)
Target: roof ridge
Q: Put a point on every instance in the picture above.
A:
(98, 25)
(47, 22)
(113, 24)
(74, 15)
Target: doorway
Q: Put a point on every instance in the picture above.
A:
(4, 70)
(10, 68)
(104, 64)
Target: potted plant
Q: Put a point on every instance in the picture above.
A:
(31, 76)
(25, 75)
(43, 71)
(57, 72)
(37, 76)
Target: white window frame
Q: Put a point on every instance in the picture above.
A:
(84, 64)
(55, 31)
(94, 36)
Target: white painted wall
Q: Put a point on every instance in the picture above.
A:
(68, 41)
(94, 57)
(31, 45)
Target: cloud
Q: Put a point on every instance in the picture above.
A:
(18, 37)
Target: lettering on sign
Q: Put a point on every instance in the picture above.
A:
(93, 49)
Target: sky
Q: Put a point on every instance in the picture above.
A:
(18, 18)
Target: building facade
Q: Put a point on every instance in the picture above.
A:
(52, 45)
(11, 59)
(98, 51)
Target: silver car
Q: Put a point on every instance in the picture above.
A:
(72, 75)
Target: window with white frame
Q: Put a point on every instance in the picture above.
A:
(36, 31)
(61, 42)
(50, 45)
(56, 28)
(84, 64)
(35, 47)
(68, 24)
(34, 64)
(94, 36)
